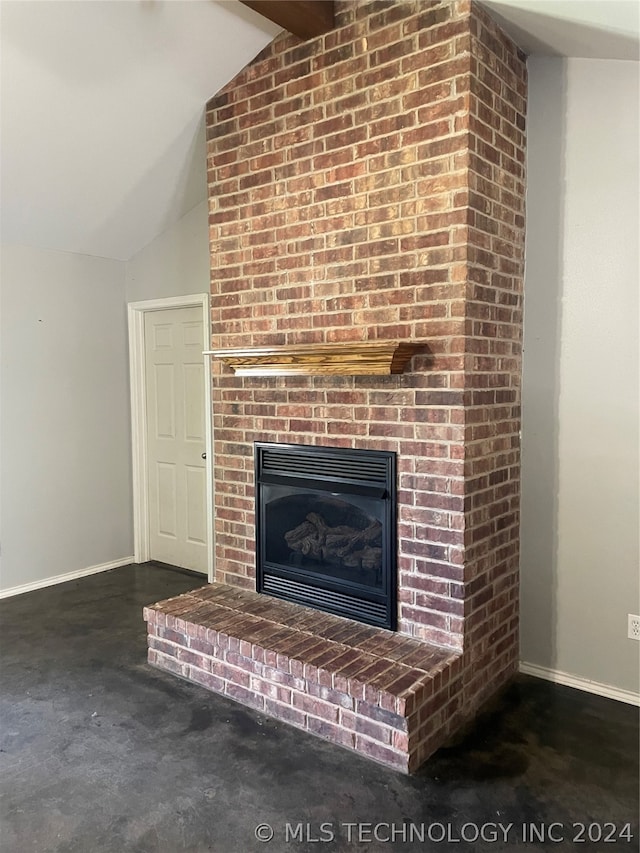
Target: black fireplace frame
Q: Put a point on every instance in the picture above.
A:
(335, 470)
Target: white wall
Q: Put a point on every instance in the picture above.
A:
(580, 562)
(175, 264)
(65, 426)
(66, 467)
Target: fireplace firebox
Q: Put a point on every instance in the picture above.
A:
(326, 529)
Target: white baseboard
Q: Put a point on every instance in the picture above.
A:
(69, 576)
(585, 684)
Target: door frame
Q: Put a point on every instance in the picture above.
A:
(136, 316)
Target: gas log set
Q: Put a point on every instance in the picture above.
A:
(344, 545)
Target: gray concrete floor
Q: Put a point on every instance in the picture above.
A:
(101, 753)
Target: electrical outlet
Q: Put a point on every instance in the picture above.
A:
(634, 627)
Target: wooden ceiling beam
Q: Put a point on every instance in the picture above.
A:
(304, 18)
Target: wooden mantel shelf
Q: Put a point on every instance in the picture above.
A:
(358, 358)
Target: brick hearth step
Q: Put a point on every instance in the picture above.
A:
(387, 696)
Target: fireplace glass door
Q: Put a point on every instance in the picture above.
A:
(326, 529)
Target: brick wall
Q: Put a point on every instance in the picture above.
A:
(495, 271)
(370, 184)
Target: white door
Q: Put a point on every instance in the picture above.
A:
(175, 409)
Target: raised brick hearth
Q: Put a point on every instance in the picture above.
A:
(369, 184)
(385, 695)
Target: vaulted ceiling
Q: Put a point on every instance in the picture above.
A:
(101, 123)
(102, 139)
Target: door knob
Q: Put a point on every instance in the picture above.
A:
(203, 455)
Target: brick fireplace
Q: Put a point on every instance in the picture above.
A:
(368, 185)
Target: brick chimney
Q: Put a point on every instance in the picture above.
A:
(369, 184)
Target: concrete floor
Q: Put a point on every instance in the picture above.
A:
(99, 752)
